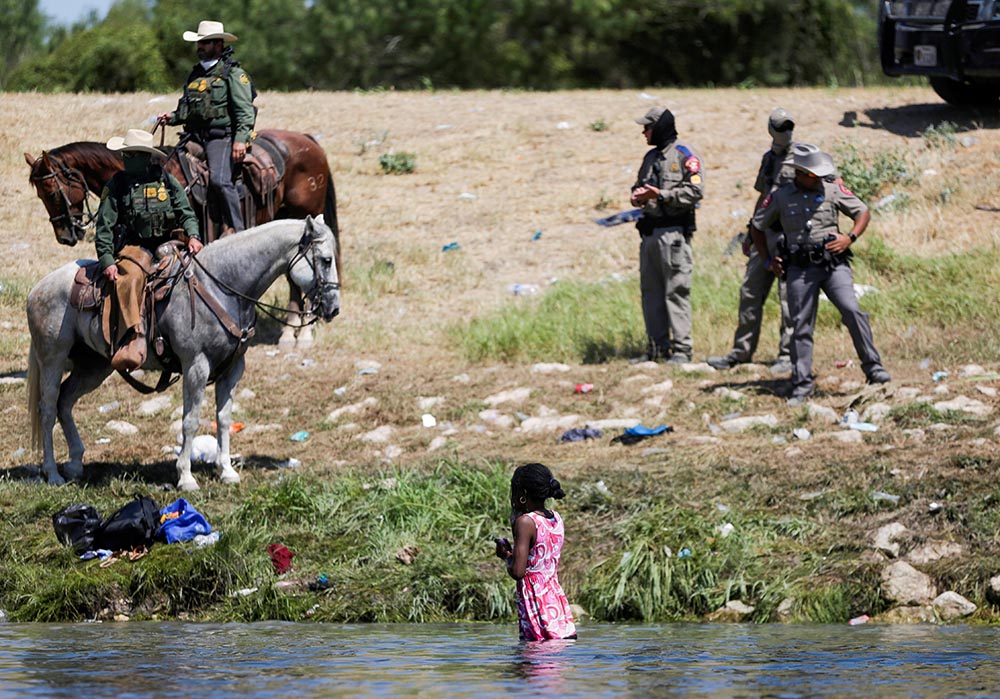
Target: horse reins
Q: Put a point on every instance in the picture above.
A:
(72, 176)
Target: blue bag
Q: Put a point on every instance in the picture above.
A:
(188, 523)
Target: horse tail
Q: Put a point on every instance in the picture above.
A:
(34, 397)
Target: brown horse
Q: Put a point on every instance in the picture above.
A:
(63, 176)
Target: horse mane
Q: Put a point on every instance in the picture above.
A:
(78, 151)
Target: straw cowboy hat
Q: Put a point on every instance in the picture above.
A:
(135, 141)
(207, 29)
(810, 158)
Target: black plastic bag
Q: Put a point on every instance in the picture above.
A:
(75, 526)
(134, 525)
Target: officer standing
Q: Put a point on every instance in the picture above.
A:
(775, 170)
(668, 188)
(217, 110)
(139, 210)
(816, 257)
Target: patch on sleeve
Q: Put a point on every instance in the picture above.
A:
(105, 192)
(845, 190)
(695, 179)
(244, 78)
(692, 164)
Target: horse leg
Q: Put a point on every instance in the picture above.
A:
(294, 320)
(44, 393)
(304, 336)
(84, 378)
(224, 387)
(195, 379)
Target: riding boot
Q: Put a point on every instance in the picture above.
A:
(131, 355)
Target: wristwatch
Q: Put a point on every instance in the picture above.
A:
(853, 237)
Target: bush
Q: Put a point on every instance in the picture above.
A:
(398, 163)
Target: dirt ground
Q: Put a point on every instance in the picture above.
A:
(493, 169)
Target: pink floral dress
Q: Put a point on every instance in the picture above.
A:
(542, 608)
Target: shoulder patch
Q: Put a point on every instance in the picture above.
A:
(845, 190)
(105, 193)
(692, 165)
(684, 150)
(244, 78)
(695, 179)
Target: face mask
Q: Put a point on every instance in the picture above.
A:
(135, 162)
(780, 140)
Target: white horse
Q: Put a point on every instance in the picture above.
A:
(236, 270)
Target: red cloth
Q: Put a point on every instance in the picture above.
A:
(281, 558)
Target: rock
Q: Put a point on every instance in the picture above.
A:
(923, 614)
(246, 394)
(850, 386)
(993, 590)
(885, 538)
(352, 409)
(497, 419)
(934, 551)
(907, 392)
(728, 393)
(514, 395)
(578, 612)
(265, 427)
(122, 427)
(646, 366)
(733, 613)
(613, 423)
(916, 434)
(379, 435)
(697, 368)
(786, 611)
(367, 364)
(406, 554)
(742, 424)
(154, 405)
(801, 433)
(996, 431)
(437, 443)
(703, 439)
(793, 452)
(965, 405)
(461, 378)
(876, 412)
(661, 388)
(904, 584)
(942, 390)
(941, 427)
(846, 436)
(822, 413)
(987, 391)
(950, 606)
(549, 368)
(971, 370)
(427, 403)
(392, 451)
(548, 424)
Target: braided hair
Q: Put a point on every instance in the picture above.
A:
(537, 482)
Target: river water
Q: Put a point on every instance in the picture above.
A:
(286, 660)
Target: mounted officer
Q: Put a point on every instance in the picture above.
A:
(141, 206)
(217, 111)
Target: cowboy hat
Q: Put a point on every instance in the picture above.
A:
(207, 29)
(810, 158)
(135, 141)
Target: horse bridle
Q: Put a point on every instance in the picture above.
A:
(319, 286)
(71, 177)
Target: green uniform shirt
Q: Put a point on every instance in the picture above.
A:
(807, 216)
(149, 205)
(211, 101)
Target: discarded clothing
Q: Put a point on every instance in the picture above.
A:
(580, 434)
(640, 432)
(619, 218)
(281, 558)
(179, 521)
(321, 583)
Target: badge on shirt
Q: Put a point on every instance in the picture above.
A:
(161, 193)
(150, 192)
(692, 165)
(695, 179)
(203, 85)
(193, 85)
(674, 167)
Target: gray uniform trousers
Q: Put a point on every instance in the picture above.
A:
(219, 153)
(665, 264)
(753, 293)
(804, 285)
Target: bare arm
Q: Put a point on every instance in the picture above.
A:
(524, 539)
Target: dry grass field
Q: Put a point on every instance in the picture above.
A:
(494, 168)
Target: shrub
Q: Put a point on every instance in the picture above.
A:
(398, 163)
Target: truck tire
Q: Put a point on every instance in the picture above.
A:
(963, 94)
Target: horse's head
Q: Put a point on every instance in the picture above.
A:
(314, 268)
(63, 190)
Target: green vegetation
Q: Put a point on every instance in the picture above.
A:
(941, 135)
(870, 177)
(416, 545)
(435, 44)
(398, 163)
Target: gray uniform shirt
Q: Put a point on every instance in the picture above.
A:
(676, 170)
(807, 216)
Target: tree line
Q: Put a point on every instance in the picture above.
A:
(421, 44)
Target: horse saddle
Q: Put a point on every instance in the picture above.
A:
(263, 169)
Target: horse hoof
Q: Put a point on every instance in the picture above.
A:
(287, 340)
(55, 479)
(304, 341)
(188, 485)
(73, 471)
(230, 478)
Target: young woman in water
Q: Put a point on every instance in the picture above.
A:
(533, 560)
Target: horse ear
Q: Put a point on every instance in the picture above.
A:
(28, 158)
(320, 219)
